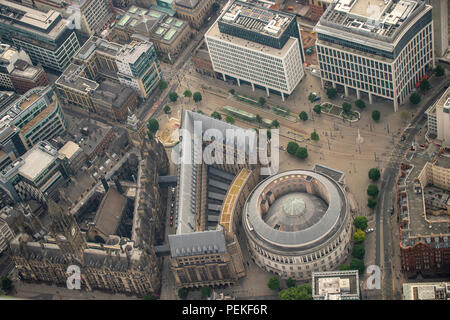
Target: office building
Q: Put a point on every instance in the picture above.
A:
(440, 26)
(193, 11)
(34, 117)
(44, 36)
(17, 72)
(426, 291)
(335, 285)
(258, 46)
(423, 206)
(35, 175)
(134, 66)
(6, 235)
(168, 34)
(317, 8)
(91, 15)
(384, 52)
(438, 116)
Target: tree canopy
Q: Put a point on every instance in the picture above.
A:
(360, 104)
(439, 71)
(358, 251)
(6, 284)
(173, 96)
(425, 85)
(371, 203)
(303, 116)
(229, 119)
(372, 190)
(291, 282)
(331, 93)
(317, 109)
(182, 293)
(376, 115)
(261, 101)
(275, 123)
(292, 147)
(197, 96)
(303, 292)
(357, 264)
(301, 153)
(314, 136)
(359, 236)
(374, 174)
(153, 125)
(347, 107)
(205, 292)
(216, 115)
(414, 98)
(163, 85)
(166, 109)
(360, 222)
(273, 283)
(311, 97)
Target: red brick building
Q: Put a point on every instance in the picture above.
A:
(427, 259)
(25, 77)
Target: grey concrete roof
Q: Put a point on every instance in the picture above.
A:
(311, 236)
(195, 243)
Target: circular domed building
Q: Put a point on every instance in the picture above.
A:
(297, 222)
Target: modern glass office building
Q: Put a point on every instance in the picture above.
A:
(384, 50)
(257, 45)
(45, 36)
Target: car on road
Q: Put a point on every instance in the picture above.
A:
(171, 223)
(403, 138)
(171, 218)
(369, 230)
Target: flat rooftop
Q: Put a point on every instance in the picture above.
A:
(36, 160)
(419, 226)
(110, 211)
(214, 32)
(133, 51)
(250, 16)
(378, 19)
(95, 44)
(71, 78)
(69, 149)
(48, 23)
(335, 285)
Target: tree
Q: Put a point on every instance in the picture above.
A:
(229, 119)
(311, 97)
(275, 123)
(315, 136)
(376, 115)
(173, 96)
(405, 115)
(414, 98)
(215, 7)
(150, 296)
(216, 115)
(360, 104)
(303, 116)
(357, 264)
(150, 135)
(372, 190)
(261, 101)
(166, 109)
(347, 107)
(359, 236)
(6, 284)
(360, 222)
(269, 135)
(439, 71)
(273, 283)
(153, 125)
(291, 282)
(205, 292)
(425, 85)
(358, 251)
(317, 109)
(374, 174)
(301, 153)
(200, 111)
(371, 203)
(292, 147)
(163, 85)
(187, 94)
(258, 118)
(182, 293)
(344, 267)
(231, 91)
(331, 93)
(197, 97)
(296, 293)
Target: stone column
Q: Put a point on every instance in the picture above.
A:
(267, 92)
(282, 96)
(346, 90)
(253, 86)
(370, 98)
(224, 77)
(358, 94)
(239, 82)
(334, 84)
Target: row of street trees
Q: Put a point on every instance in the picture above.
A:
(292, 292)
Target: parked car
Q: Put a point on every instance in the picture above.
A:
(369, 230)
(171, 223)
(171, 218)
(316, 98)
